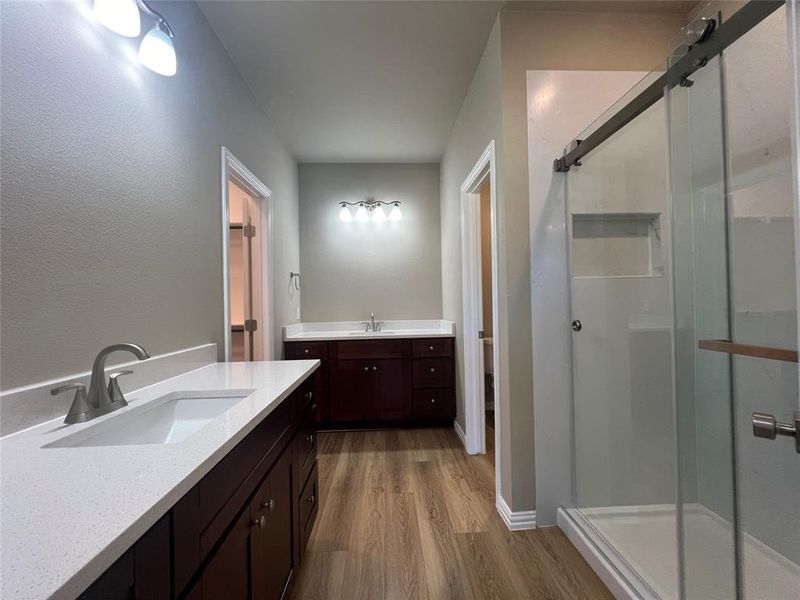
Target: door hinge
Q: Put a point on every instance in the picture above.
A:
(249, 231)
(481, 334)
(250, 325)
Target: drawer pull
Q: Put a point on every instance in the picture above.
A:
(310, 499)
(374, 368)
(305, 351)
(269, 505)
(433, 370)
(260, 522)
(310, 438)
(366, 369)
(430, 348)
(433, 400)
(308, 395)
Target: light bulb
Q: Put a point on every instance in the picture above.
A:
(344, 214)
(157, 53)
(361, 213)
(378, 215)
(396, 214)
(120, 16)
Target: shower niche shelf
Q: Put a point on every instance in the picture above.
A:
(617, 245)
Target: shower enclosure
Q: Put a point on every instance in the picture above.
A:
(682, 222)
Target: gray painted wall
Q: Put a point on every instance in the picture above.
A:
(111, 224)
(479, 122)
(352, 269)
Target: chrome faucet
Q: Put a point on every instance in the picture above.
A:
(372, 324)
(102, 398)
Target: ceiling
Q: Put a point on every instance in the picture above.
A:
(357, 81)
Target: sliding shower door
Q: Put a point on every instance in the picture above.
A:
(618, 221)
(736, 320)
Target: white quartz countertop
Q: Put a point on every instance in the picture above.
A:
(68, 513)
(355, 330)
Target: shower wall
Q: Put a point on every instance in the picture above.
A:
(619, 232)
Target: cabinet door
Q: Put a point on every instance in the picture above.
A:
(272, 541)
(352, 386)
(390, 394)
(227, 573)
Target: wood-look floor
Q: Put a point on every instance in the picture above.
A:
(407, 514)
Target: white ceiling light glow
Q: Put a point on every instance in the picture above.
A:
(370, 210)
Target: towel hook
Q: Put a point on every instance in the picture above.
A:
(294, 278)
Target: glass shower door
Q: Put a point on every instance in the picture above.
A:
(619, 230)
(736, 320)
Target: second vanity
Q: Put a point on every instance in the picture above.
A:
(205, 487)
(379, 373)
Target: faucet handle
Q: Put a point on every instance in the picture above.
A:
(114, 391)
(80, 408)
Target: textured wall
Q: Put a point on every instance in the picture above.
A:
(111, 189)
(478, 123)
(353, 269)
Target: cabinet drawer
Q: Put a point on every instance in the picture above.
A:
(299, 350)
(309, 498)
(358, 349)
(433, 372)
(435, 403)
(432, 347)
(306, 445)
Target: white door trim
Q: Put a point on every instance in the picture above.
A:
(472, 376)
(233, 168)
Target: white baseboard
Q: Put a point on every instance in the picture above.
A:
(460, 433)
(599, 558)
(516, 521)
(30, 405)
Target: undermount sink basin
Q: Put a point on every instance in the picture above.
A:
(169, 419)
(375, 333)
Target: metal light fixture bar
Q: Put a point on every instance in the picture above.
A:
(370, 204)
(370, 207)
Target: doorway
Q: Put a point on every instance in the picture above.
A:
(483, 375)
(246, 219)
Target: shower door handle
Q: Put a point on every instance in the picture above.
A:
(765, 426)
(577, 325)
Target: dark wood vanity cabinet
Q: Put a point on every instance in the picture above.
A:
(238, 534)
(382, 380)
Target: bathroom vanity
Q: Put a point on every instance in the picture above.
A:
(224, 511)
(402, 374)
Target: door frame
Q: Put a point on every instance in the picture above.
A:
(472, 375)
(234, 169)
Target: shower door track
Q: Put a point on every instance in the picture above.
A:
(747, 17)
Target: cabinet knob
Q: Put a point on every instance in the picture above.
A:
(269, 505)
(374, 368)
(260, 522)
(433, 370)
(310, 438)
(430, 348)
(366, 369)
(310, 499)
(308, 395)
(433, 400)
(305, 351)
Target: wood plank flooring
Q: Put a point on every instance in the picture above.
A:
(408, 515)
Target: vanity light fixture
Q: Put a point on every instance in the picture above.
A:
(370, 208)
(120, 16)
(156, 51)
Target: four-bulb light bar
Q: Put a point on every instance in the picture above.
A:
(370, 208)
